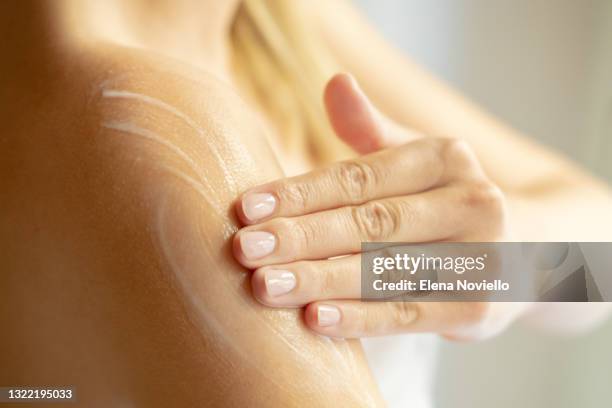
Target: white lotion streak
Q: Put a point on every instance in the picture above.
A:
(343, 354)
(130, 128)
(197, 187)
(205, 316)
(116, 93)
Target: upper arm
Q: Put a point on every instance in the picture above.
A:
(119, 258)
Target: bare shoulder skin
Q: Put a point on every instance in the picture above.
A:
(117, 176)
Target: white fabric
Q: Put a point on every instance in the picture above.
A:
(403, 367)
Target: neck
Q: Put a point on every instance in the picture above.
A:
(191, 30)
(194, 31)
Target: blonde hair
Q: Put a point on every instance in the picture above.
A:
(284, 68)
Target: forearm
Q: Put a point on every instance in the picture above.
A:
(575, 212)
(549, 198)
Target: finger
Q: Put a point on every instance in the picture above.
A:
(299, 283)
(353, 319)
(355, 119)
(408, 169)
(431, 216)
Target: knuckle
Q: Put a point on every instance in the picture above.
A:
(376, 221)
(292, 234)
(371, 321)
(357, 179)
(488, 201)
(457, 155)
(329, 282)
(320, 281)
(485, 195)
(404, 314)
(454, 149)
(296, 195)
(303, 234)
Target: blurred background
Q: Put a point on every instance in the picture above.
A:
(544, 67)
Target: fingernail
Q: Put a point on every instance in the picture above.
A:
(327, 315)
(279, 282)
(256, 206)
(257, 244)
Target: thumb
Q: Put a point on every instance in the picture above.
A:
(355, 119)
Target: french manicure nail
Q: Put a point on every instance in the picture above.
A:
(327, 315)
(256, 206)
(257, 244)
(279, 282)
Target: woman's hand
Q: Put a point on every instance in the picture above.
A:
(421, 190)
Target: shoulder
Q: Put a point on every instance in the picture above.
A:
(130, 82)
(115, 125)
(168, 114)
(100, 93)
